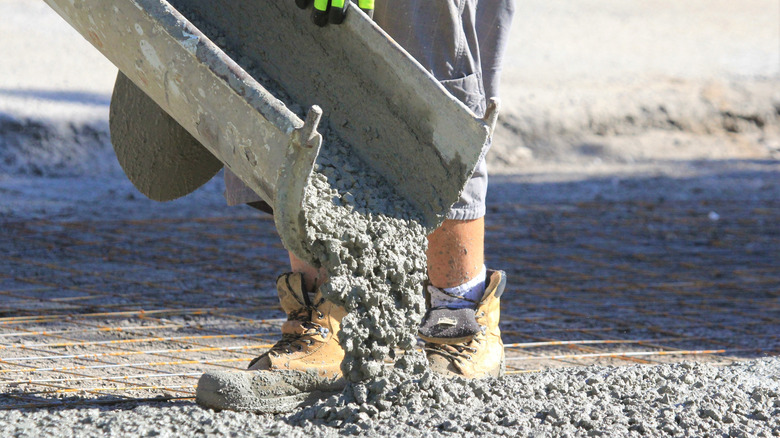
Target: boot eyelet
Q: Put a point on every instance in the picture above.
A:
(287, 351)
(300, 347)
(320, 315)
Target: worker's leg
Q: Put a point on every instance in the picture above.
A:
(456, 252)
(463, 292)
(446, 37)
(469, 344)
(442, 36)
(312, 277)
(309, 342)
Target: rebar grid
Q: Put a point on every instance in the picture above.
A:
(114, 311)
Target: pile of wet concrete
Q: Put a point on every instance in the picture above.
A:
(687, 399)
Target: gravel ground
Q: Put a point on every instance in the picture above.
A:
(688, 399)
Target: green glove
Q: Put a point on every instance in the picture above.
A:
(333, 11)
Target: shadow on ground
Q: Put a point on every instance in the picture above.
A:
(103, 403)
(78, 97)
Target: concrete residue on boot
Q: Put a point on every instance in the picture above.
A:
(280, 391)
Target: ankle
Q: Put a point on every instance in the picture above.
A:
(464, 295)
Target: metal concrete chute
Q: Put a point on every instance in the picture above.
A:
(375, 97)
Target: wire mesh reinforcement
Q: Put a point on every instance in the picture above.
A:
(103, 312)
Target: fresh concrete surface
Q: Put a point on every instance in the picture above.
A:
(670, 400)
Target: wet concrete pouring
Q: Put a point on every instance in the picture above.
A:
(103, 317)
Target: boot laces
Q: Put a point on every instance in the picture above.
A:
(295, 341)
(454, 352)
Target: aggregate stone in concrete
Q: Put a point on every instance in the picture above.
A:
(687, 399)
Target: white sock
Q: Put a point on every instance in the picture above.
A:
(464, 295)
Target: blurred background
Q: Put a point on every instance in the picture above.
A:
(587, 84)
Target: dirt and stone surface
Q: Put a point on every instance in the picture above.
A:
(686, 399)
(638, 202)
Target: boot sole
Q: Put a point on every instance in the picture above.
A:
(279, 405)
(235, 392)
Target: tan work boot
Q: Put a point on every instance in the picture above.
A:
(304, 366)
(467, 342)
